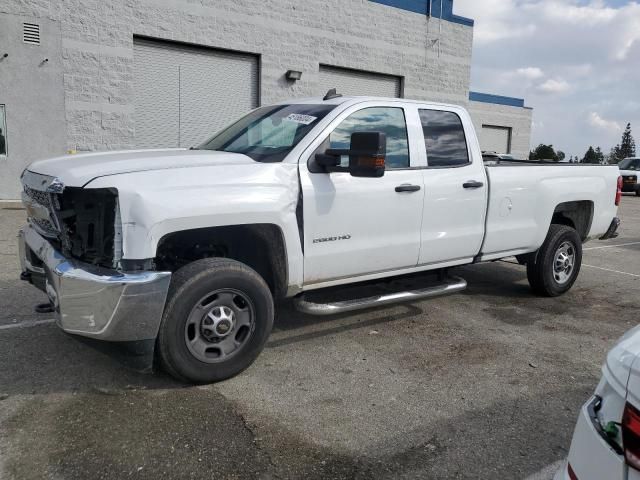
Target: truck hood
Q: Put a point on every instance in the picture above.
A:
(630, 172)
(622, 365)
(78, 170)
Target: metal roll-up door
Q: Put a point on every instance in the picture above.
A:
(495, 139)
(185, 94)
(357, 82)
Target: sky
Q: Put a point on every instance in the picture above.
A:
(576, 62)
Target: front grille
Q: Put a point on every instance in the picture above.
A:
(40, 197)
(46, 227)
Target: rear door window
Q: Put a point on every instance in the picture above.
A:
(444, 138)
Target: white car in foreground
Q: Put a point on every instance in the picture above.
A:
(606, 441)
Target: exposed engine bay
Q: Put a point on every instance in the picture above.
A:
(89, 225)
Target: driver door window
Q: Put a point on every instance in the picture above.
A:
(389, 120)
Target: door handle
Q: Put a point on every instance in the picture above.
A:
(405, 187)
(472, 184)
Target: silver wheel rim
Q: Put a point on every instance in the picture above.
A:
(220, 324)
(564, 263)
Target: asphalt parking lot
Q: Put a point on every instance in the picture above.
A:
(484, 384)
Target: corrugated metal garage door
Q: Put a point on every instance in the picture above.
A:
(356, 82)
(184, 94)
(495, 139)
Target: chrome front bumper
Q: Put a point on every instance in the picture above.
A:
(93, 301)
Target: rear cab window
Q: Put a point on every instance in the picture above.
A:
(444, 139)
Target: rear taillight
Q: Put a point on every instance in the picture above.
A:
(619, 191)
(631, 435)
(571, 473)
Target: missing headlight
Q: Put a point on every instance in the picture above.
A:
(91, 229)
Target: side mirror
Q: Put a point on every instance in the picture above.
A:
(366, 155)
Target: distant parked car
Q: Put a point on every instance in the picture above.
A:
(606, 440)
(629, 169)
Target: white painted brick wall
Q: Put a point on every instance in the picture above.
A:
(519, 119)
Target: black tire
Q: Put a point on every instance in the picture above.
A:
(189, 286)
(541, 271)
(638, 192)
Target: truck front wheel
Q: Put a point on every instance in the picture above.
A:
(217, 319)
(555, 267)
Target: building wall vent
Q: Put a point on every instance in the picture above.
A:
(31, 33)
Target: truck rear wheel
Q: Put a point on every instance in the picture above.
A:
(556, 265)
(217, 319)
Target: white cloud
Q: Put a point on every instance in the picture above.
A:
(629, 31)
(585, 15)
(531, 73)
(595, 120)
(554, 86)
(499, 24)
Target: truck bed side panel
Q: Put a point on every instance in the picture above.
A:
(523, 198)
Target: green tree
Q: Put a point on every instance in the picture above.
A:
(626, 148)
(599, 155)
(590, 156)
(561, 155)
(544, 152)
(628, 144)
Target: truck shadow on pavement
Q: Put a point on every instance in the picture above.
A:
(289, 320)
(484, 280)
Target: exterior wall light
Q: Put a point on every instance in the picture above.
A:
(293, 75)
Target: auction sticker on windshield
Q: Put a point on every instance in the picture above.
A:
(301, 118)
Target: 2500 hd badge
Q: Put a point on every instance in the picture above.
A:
(331, 239)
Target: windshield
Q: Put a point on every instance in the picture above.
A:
(630, 164)
(268, 134)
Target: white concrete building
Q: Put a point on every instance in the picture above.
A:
(115, 74)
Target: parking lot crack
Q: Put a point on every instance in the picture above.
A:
(250, 429)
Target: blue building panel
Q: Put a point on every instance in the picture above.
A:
(416, 6)
(429, 7)
(496, 99)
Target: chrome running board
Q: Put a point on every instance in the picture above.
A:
(450, 285)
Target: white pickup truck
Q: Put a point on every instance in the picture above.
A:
(181, 253)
